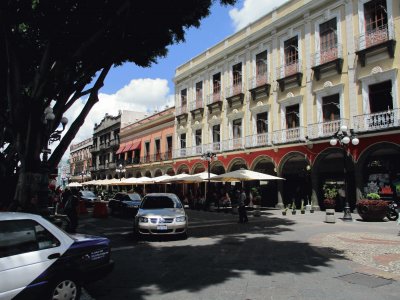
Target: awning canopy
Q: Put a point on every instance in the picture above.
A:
(121, 147)
(127, 147)
(136, 145)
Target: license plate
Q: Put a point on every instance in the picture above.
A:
(162, 227)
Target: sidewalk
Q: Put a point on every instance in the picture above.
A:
(374, 246)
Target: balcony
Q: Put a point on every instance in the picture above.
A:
(235, 94)
(181, 112)
(145, 159)
(197, 107)
(374, 41)
(258, 140)
(94, 148)
(92, 169)
(214, 101)
(328, 59)
(259, 86)
(325, 129)
(292, 135)
(233, 144)
(290, 73)
(384, 120)
(112, 165)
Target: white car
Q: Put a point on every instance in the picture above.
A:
(40, 261)
(161, 214)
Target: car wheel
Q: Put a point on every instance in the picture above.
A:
(65, 289)
(184, 236)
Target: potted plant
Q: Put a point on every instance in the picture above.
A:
(330, 194)
(256, 201)
(284, 211)
(372, 208)
(293, 208)
(302, 210)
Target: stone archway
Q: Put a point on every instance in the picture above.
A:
(378, 170)
(237, 164)
(138, 174)
(198, 168)
(147, 173)
(294, 167)
(157, 173)
(268, 190)
(328, 168)
(217, 168)
(183, 169)
(170, 172)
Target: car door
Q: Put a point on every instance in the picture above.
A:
(27, 249)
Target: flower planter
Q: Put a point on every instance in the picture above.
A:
(293, 212)
(372, 210)
(302, 212)
(284, 213)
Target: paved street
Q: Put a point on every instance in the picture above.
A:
(271, 257)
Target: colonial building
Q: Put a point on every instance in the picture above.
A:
(146, 146)
(271, 97)
(106, 142)
(80, 161)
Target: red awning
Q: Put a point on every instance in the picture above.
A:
(136, 144)
(121, 147)
(127, 146)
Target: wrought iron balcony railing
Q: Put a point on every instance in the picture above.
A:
(377, 121)
(325, 129)
(258, 80)
(258, 140)
(289, 69)
(375, 37)
(180, 110)
(197, 104)
(234, 90)
(289, 135)
(327, 55)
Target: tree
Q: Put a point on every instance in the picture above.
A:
(56, 52)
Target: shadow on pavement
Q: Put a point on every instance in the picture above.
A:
(222, 253)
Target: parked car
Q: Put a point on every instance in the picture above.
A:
(162, 214)
(88, 196)
(125, 203)
(38, 260)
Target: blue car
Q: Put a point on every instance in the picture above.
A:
(38, 260)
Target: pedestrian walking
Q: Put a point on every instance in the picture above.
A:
(71, 210)
(242, 207)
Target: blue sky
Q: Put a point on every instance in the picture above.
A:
(129, 87)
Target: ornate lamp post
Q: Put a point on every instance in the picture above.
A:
(345, 136)
(208, 156)
(50, 136)
(120, 169)
(82, 174)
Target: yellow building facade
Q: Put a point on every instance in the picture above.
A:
(271, 97)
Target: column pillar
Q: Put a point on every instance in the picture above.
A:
(314, 190)
(280, 203)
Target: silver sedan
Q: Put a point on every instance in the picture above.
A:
(161, 214)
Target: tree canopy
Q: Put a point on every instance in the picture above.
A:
(55, 52)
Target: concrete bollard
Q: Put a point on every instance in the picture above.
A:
(330, 216)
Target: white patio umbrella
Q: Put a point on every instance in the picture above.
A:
(173, 179)
(159, 179)
(195, 178)
(74, 184)
(245, 175)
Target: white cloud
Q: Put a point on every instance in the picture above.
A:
(142, 95)
(251, 11)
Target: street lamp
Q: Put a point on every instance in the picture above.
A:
(49, 137)
(82, 174)
(208, 156)
(345, 136)
(120, 169)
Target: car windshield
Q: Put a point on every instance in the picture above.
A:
(157, 202)
(134, 197)
(88, 194)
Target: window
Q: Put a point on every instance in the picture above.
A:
(331, 108)
(292, 116)
(261, 63)
(328, 35)
(291, 51)
(198, 137)
(237, 128)
(262, 123)
(159, 202)
(157, 149)
(216, 83)
(184, 97)
(199, 91)
(147, 149)
(169, 147)
(375, 15)
(22, 236)
(380, 96)
(183, 140)
(216, 133)
(237, 74)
